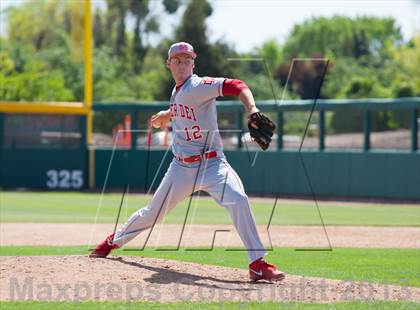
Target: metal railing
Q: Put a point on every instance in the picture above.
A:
(367, 106)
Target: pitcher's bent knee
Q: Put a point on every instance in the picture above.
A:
(236, 199)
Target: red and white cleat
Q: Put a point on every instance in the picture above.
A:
(261, 270)
(104, 248)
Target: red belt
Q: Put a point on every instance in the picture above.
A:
(194, 158)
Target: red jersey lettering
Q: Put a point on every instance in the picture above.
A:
(187, 112)
(208, 81)
(193, 115)
(181, 109)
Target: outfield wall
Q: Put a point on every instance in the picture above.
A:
(44, 169)
(331, 173)
(357, 174)
(45, 146)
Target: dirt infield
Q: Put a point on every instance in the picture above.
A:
(38, 234)
(75, 278)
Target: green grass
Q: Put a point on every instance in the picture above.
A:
(393, 266)
(60, 207)
(34, 305)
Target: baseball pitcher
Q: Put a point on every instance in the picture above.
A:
(199, 162)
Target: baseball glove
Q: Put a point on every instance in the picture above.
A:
(261, 129)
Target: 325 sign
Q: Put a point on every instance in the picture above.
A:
(65, 179)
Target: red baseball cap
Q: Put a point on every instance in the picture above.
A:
(181, 48)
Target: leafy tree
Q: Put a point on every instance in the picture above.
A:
(47, 34)
(148, 83)
(140, 10)
(99, 37)
(356, 47)
(37, 23)
(405, 79)
(352, 121)
(364, 87)
(35, 83)
(341, 36)
(171, 6)
(116, 15)
(304, 78)
(367, 55)
(51, 34)
(192, 29)
(131, 48)
(271, 52)
(107, 85)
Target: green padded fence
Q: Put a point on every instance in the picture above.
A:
(331, 174)
(354, 173)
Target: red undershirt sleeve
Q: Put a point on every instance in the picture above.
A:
(233, 87)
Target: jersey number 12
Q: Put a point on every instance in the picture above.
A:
(196, 134)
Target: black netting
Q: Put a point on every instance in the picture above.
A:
(42, 131)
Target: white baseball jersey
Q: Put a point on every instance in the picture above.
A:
(194, 121)
(194, 116)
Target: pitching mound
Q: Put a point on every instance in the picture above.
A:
(75, 278)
